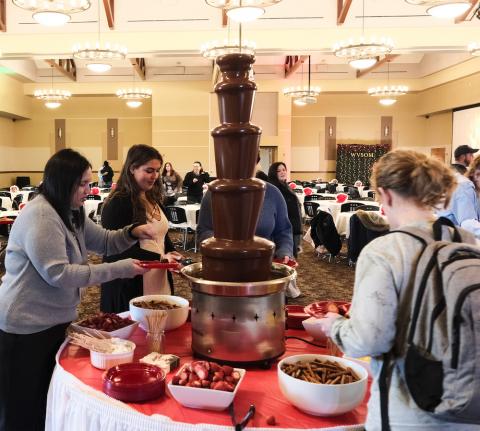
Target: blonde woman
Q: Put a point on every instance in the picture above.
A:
(410, 185)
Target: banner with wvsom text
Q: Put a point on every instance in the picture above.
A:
(354, 161)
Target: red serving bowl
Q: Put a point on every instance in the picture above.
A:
(295, 316)
(134, 382)
(320, 308)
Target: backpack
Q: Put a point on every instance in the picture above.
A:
(443, 335)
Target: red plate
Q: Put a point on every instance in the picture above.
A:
(134, 382)
(292, 262)
(320, 308)
(295, 316)
(157, 264)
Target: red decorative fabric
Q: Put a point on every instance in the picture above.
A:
(259, 387)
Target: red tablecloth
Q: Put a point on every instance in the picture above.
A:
(259, 387)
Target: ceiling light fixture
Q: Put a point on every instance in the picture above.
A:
(363, 53)
(98, 55)
(303, 95)
(134, 96)
(53, 13)
(388, 94)
(51, 97)
(443, 8)
(243, 10)
(212, 50)
(474, 48)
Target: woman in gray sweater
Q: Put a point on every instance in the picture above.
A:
(46, 265)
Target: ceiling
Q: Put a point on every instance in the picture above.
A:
(168, 35)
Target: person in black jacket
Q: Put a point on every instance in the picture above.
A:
(107, 174)
(137, 199)
(277, 175)
(194, 181)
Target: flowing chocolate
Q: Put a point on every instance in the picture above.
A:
(234, 253)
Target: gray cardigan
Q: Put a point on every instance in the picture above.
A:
(46, 264)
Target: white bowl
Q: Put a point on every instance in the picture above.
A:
(104, 361)
(201, 398)
(124, 332)
(313, 328)
(176, 317)
(319, 399)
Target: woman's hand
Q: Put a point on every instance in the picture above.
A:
(144, 231)
(137, 269)
(173, 257)
(326, 322)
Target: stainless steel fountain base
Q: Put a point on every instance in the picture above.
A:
(239, 323)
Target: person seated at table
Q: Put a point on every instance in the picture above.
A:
(138, 199)
(172, 184)
(410, 185)
(277, 175)
(194, 181)
(273, 223)
(45, 267)
(107, 174)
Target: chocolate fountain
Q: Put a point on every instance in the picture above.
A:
(238, 294)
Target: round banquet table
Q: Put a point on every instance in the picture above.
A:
(76, 401)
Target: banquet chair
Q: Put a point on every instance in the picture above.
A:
(311, 208)
(368, 208)
(94, 197)
(6, 195)
(17, 200)
(331, 188)
(324, 233)
(350, 206)
(299, 191)
(371, 194)
(313, 197)
(177, 219)
(326, 198)
(353, 193)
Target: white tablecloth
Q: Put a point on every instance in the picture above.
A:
(191, 210)
(10, 213)
(90, 205)
(5, 203)
(334, 207)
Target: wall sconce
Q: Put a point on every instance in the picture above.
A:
(112, 132)
(59, 133)
(330, 131)
(386, 131)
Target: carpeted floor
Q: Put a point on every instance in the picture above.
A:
(316, 278)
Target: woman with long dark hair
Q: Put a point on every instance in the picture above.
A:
(194, 181)
(138, 199)
(172, 184)
(277, 175)
(46, 265)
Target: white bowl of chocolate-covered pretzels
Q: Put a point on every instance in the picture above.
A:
(322, 385)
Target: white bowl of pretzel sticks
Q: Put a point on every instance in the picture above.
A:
(322, 385)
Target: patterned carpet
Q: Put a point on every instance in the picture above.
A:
(316, 278)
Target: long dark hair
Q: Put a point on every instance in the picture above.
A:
(62, 175)
(138, 155)
(173, 172)
(273, 176)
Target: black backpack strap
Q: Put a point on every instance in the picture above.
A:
(437, 229)
(383, 387)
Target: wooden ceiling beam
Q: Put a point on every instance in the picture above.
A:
(66, 67)
(140, 67)
(468, 13)
(292, 63)
(390, 57)
(3, 15)
(343, 6)
(109, 6)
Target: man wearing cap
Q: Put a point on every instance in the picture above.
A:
(463, 157)
(464, 207)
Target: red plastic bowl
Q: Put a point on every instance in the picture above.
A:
(295, 316)
(134, 382)
(320, 308)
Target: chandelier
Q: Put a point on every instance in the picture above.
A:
(52, 98)
(243, 10)
(134, 96)
(388, 94)
(474, 48)
(53, 13)
(212, 50)
(443, 8)
(363, 53)
(98, 55)
(303, 95)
